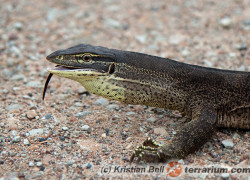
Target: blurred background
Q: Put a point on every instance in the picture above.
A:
(209, 33)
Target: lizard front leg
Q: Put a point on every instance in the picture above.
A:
(190, 138)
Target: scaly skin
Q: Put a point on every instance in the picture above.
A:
(210, 97)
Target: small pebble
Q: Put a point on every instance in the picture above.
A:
(78, 104)
(4, 153)
(42, 139)
(16, 139)
(81, 91)
(39, 164)
(101, 102)
(13, 133)
(130, 113)
(13, 107)
(34, 132)
(151, 119)
(226, 22)
(228, 144)
(69, 163)
(48, 116)
(108, 22)
(225, 176)
(42, 168)
(12, 153)
(113, 106)
(83, 113)
(141, 38)
(26, 142)
(104, 135)
(161, 131)
(236, 135)
(18, 77)
(85, 127)
(34, 84)
(31, 114)
(1, 162)
(64, 128)
(18, 26)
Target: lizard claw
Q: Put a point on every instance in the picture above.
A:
(150, 151)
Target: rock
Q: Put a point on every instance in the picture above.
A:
(226, 22)
(4, 153)
(78, 104)
(176, 39)
(34, 84)
(13, 133)
(39, 164)
(151, 119)
(31, 164)
(90, 165)
(12, 153)
(101, 101)
(227, 143)
(108, 22)
(35, 132)
(113, 106)
(5, 91)
(53, 14)
(26, 142)
(225, 176)
(82, 91)
(236, 135)
(13, 107)
(16, 139)
(161, 131)
(241, 47)
(10, 62)
(15, 50)
(48, 116)
(69, 163)
(141, 38)
(130, 113)
(246, 22)
(83, 113)
(12, 176)
(12, 124)
(31, 114)
(104, 135)
(87, 165)
(64, 128)
(18, 26)
(208, 63)
(18, 77)
(185, 52)
(85, 127)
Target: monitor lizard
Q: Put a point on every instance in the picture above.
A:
(210, 97)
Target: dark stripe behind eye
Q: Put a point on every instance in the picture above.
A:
(104, 59)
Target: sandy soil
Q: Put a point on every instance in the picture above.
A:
(73, 135)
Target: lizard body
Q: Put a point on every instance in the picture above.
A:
(210, 97)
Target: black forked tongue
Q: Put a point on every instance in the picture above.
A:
(46, 85)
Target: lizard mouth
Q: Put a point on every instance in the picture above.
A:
(70, 72)
(66, 68)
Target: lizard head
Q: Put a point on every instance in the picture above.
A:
(82, 60)
(91, 66)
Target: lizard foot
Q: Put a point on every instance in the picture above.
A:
(150, 151)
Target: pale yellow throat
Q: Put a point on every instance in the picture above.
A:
(94, 82)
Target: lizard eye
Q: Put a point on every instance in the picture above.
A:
(87, 58)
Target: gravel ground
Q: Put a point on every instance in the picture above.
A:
(73, 134)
